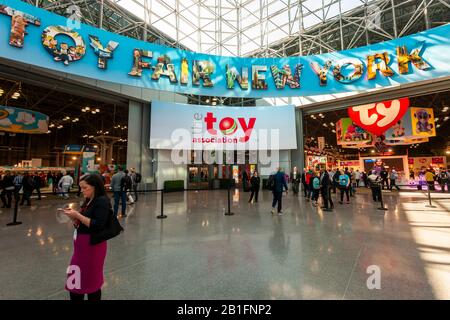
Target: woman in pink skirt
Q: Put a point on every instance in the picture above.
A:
(85, 273)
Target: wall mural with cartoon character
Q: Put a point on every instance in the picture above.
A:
(22, 120)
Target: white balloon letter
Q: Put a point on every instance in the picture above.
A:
(364, 114)
(388, 113)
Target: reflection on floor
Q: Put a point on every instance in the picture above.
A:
(199, 253)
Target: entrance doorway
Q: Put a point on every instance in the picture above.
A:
(198, 177)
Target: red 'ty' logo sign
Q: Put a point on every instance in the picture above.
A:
(378, 117)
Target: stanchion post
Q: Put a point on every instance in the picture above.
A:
(229, 213)
(381, 200)
(162, 216)
(16, 209)
(429, 199)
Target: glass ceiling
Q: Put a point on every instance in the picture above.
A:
(234, 28)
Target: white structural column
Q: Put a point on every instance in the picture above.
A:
(139, 155)
(298, 155)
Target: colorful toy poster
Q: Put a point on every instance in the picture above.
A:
(423, 122)
(401, 130)
(348, 133)
(22, 120)
(88, 163)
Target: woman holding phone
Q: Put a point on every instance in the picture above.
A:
(85, 273)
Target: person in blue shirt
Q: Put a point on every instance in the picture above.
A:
(344, 184)
(278, 185)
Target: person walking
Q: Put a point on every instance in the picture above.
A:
(350, 187)
(325, 188)
(384, 178)
(429, 178)
(443, 179)
(344, 184)
(37, 183)
(28, 186)
(315, 182)
(393, 176)
(119, 193)
(336, 176)
(89, 259)
(255, 182)
(127, 186)
(136, 179)
(308, 180)
(64, 184)
(331, 173)
(295, 180)
(375, 186)
(357, 177)
(304, 185)
(279, 182)
(56, 188)
(7, 190)
(365, 179)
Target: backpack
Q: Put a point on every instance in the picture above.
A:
(138, 177)
(443, 176)
(316, 183)
(126, 183)
(343, 180)
(271, 182)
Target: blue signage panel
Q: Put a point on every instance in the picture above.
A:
(35, 36)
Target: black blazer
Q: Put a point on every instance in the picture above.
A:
(255, 182)
(98, 211)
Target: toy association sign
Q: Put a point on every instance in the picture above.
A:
(197, 127)
(35, 36)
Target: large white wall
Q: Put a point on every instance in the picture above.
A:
(165, 169)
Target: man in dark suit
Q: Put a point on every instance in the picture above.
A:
(279, 184)
(325, 188)
(255, 183)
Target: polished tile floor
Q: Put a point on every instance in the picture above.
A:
(199, 253)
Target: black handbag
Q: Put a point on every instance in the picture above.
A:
(112, 229)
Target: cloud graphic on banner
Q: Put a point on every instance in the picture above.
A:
(5, 122)
(25, 118)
